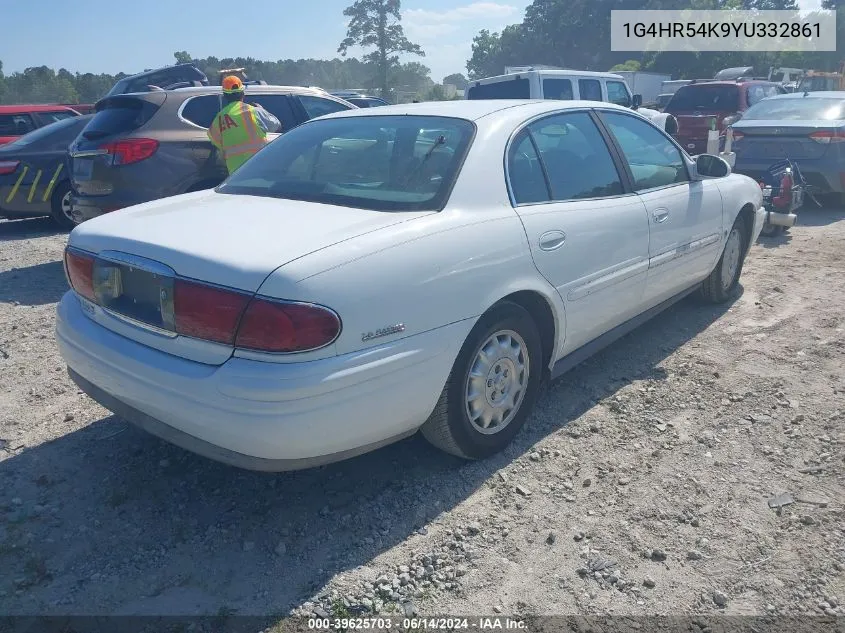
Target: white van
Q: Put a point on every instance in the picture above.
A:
(566, 85)
(554, 84)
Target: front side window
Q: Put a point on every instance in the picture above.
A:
(617, 92)
(558, 89)
(576, 158)
(654, 160)
(380, 163)
(317, 106)
(590, 89)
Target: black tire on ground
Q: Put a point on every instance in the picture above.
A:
(60, 209)
(771, 230)
(511, 339)
(722, 283)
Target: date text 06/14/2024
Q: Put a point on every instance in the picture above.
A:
(415, 624)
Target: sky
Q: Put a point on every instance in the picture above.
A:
(112, 36)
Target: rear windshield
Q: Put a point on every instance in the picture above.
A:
(380, 163)
(797, 109)
(713, 98)
(507, 89)
(119, 115)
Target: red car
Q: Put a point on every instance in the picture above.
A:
(17, 120)
(697, 104)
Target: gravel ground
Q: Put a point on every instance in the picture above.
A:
(643, 484)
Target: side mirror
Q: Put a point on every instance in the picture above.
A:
(709, 166)
(638, 101)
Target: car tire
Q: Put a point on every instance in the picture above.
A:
(60, 205)
(504, 349)
(722, 283)
(771, 230)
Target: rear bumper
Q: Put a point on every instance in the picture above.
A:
(88, 207)
(260, 415)
(821, 176)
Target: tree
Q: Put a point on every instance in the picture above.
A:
(376, 23)
(631, 64)
(458, 80)
(182, 57)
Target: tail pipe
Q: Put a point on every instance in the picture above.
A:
(781, 219)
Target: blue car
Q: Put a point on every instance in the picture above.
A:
(806, 128)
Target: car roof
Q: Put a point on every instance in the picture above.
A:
(474, 109)
(20, 109)
(829, 94)
(195, 91)
(553, 72)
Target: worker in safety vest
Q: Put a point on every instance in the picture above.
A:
(240, 129)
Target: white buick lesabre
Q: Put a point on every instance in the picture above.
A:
(378, 272)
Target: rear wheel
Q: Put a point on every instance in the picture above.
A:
(62, 209)
(492, 387)
(722, 283)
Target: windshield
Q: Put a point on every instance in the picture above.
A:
(42, 132)
(711, 98)
(797, 109)
(380, 163)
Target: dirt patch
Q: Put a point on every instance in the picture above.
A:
(641, 486)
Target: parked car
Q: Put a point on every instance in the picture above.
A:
(809, 130)
(166, 78)
(360, 100)
(17, 120)
(33, 179)
(144, 146)
(358, 280)
(696, 105)
(566, 85)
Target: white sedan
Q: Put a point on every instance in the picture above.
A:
(378, 272)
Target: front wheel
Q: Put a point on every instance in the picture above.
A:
(492, 387)
(720, 286)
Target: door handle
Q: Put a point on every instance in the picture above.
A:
(552, 240)
(660, 216)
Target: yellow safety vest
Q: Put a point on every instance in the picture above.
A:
(236, 133)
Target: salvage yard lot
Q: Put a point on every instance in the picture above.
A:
(640, 486)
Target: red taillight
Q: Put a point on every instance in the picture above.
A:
(279, 326)
(80, 273)
(131, 150)
(206, 312)
(8, 166)
(829, 136)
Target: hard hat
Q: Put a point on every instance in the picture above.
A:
(232, 84)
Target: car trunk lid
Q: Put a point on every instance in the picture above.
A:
(238, 241)
(776, 140)
(696, 125)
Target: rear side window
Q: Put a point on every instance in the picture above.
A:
(557, 89)
(380, 163)
(15, 124)
(525, 171)
(119, 115)
(576, 157)
(705, 97)
(201, 110)
(590, 89)
(508, 89)
(317, 106)
(277, 105)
